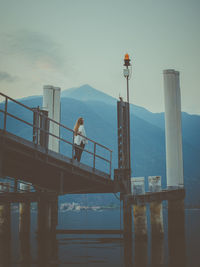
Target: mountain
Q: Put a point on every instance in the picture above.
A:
(88, 93)
(147, 136)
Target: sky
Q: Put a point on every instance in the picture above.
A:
(68, 43)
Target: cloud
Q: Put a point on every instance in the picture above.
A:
(39, 49)
(4, 76)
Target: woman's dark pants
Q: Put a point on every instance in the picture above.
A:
(79, 151)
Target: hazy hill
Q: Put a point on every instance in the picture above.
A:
(147, 135)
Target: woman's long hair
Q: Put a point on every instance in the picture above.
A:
(78, 123)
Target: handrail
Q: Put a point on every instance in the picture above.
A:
(60, 124)
(38, 112)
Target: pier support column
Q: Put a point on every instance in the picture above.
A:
(4, 212)
(5, 228)
(1, 163)
(157, 229)
(176, 233)
(127, 218)
(43, 216)
(24, 226)
(139, 210)
(24, 213)
(47, 214)
(140, 224)
(156, 211)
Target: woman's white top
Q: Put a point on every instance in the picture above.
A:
(80, 138)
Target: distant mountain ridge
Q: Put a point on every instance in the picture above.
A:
(147, 135)
(88, 93)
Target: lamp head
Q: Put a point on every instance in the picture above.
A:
(127, 60)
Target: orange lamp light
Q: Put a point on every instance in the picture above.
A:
(127, 60)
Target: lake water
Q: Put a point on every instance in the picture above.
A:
(95, 250)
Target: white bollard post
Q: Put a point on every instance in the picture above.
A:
(173, 132)
(51, 103)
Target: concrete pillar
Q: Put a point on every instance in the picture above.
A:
(51, 103)
(156, 211)
(139, 211)
(173, 133)
(24, 213)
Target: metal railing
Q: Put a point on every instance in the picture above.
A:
(40, 130)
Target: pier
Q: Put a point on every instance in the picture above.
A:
(41, 174)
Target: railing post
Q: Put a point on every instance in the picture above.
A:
(94, 156)
(110, 163)
(73, 148)
(5, 114)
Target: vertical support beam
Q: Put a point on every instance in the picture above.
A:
(157, 229)
(43, 216)
(24, 213)
(47, 215)
(5, 213)
(139, 210)
(141, 253)
(53, 214)
(128, 252)
(1, 163)
(127, 218)
(5, 229)
(156, 211)
(61, 182)
(176, 233)
(140, 224)
(24, 226)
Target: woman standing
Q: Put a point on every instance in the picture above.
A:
(79, 138)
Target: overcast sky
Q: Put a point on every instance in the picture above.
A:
(68, 43)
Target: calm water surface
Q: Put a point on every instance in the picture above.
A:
(95, 250)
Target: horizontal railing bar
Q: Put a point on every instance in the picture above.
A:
(102, 158)
(17, 118)
(17, 102)
(53, 121)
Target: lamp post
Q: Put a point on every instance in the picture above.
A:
(127, 76)
(127, 73)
